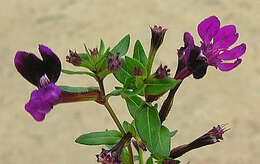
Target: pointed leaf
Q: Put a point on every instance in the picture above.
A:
(148, 125)
(139, 53)
(88, 54)
(108, 137)
(78, 73)
(101, 48)
(149, 160)
(122, 46)
(127, 69)
(77, 89)
(173, 133)
(133, 103)
(164, 142)
(159, 86)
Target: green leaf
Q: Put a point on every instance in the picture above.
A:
(89, 57)
(139, 53)
(122, 46)
(103, 73)
(159, 86)
(127, 68)
(77, 89)
(101, 48)
(164, 142)
(115, 92)
(149, 160)
(133, 92)
(129, 128)
(133, 103)
(108, 137)
(173, 133)
(148, 125)
(125, 156)
(78, 73)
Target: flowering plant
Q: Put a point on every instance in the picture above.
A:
(140, 89)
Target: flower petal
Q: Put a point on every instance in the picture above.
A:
(225, 37)
(234, 53)
(29, 66)
(208, 28)
(36, 107)
(229, 66)
(188, 40)
(50, 94)
(52, 63)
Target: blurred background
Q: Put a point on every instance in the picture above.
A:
(231, 97)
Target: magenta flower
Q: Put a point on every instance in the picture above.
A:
(216, 42)
(35, 71)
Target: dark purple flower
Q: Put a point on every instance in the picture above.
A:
(34, 70)
(216, 42)
(113, 156)
(211, 137)
(137, 72)
(74, 58)
(94, 53)
(157, 36)
(114, 63)
(162, 72)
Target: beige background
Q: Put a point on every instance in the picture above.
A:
(231, 97)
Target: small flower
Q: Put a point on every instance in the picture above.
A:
(141, 145)
(157, 36)
(137, 72)
(94, 53)
(211, 137)
(216, 42)
(74, 58)
(162, 72)
(113, 156)
(114, 63)
(34, 70)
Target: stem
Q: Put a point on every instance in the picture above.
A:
(101, 85)
(131, 156)
(141, 159)
(167, 104)
(114, 117)
(152, 53)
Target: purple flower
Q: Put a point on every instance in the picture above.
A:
(74, 58)
(162, 72)
(137, 72)
(114, 63)
(94, 53)
(157, 36)
(112, 156)
(216, 42)
(43, 74)
(211, 137)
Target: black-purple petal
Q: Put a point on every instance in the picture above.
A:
(52, 63)
(29, 66)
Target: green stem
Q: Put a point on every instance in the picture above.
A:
(141, 159)
(114, 117)
(152, 53)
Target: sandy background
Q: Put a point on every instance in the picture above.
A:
(231, 97)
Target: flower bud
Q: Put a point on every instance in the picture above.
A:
(157, 36)
(74, 58)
